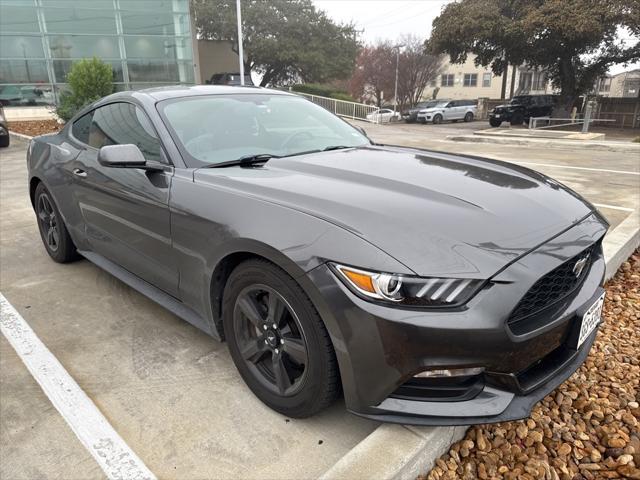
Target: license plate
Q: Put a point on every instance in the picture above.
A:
(590, 320)
(497, 116)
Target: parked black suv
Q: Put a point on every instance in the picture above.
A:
(521, 107)
(229, 79)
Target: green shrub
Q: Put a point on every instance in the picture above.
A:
(89, 80)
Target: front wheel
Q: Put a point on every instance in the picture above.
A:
(468, 117)
(437, 119)
(494, 122)
(278, 341)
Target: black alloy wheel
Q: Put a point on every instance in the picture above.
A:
(270, 339)
(277, 340)
(48, 221)
(53, 231)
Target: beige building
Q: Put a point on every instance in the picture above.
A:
(468, 81)
(625, 84)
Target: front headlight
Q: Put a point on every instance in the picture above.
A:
(406, 290)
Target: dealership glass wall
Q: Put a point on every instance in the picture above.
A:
(146, 42)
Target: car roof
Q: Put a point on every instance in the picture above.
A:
(177, 91)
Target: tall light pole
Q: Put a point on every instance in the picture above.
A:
(240, 52)
(395, 96)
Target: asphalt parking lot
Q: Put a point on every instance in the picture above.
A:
(171, 392)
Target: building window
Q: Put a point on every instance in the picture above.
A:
(470, 80)
(486, 79)
(539, 81)
(605, 84)
(447, 80)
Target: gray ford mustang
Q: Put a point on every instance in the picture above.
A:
(430, 288)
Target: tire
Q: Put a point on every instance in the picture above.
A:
(5, 140)
(517, 119)
(494, 122)
(53, 231)
(468, 117)
(298, 344)
(437, 119)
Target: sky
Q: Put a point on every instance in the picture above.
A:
(389, 19)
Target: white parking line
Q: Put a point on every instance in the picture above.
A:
(613, 207)
(624, 172)
(113, 455)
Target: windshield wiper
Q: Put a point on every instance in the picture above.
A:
(245, 160)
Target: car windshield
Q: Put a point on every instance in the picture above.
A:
(440, 105)
(520, 100)
(222, 128)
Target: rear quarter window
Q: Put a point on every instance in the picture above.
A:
(81, 127)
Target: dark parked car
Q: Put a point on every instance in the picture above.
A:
(430, 288)
(229, 79)
(5, 139)
(411, 115)
(522, 107)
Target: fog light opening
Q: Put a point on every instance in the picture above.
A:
(455, 372)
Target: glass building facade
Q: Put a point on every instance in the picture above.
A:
(146, 42)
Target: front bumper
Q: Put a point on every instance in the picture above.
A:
(380, 349)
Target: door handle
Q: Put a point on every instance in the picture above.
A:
(78, 172)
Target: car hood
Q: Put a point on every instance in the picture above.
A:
(436, 213)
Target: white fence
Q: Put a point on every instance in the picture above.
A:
(342, 108)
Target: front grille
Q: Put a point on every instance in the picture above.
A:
(553, 287)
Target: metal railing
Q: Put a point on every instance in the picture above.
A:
(569, 122)
(343, 108)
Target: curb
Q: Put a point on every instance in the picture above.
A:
(611, 146)
(395, 452)
(20, 136)
(621, 242)
(402, 452)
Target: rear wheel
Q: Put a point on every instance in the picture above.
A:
(494, 122)
(5, 140)
(468, 117)
(53, 231)
(437, 119)
(277, 340)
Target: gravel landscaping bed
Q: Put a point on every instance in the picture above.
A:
(35, 127)
(588, 428)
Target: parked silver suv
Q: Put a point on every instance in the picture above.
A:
(449, 110)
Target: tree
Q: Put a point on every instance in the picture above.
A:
(416, 68)
(374, 74)
(89, 80)
(572, 41)
(285, 40)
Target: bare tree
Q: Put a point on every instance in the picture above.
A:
(416, 69)
(374, 74)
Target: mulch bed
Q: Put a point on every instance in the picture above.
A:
(35, 127)
(588, 428)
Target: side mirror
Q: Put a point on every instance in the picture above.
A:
(121, 156)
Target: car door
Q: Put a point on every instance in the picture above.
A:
(126, 210)
(449, 112)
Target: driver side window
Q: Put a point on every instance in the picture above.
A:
(124, 123)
